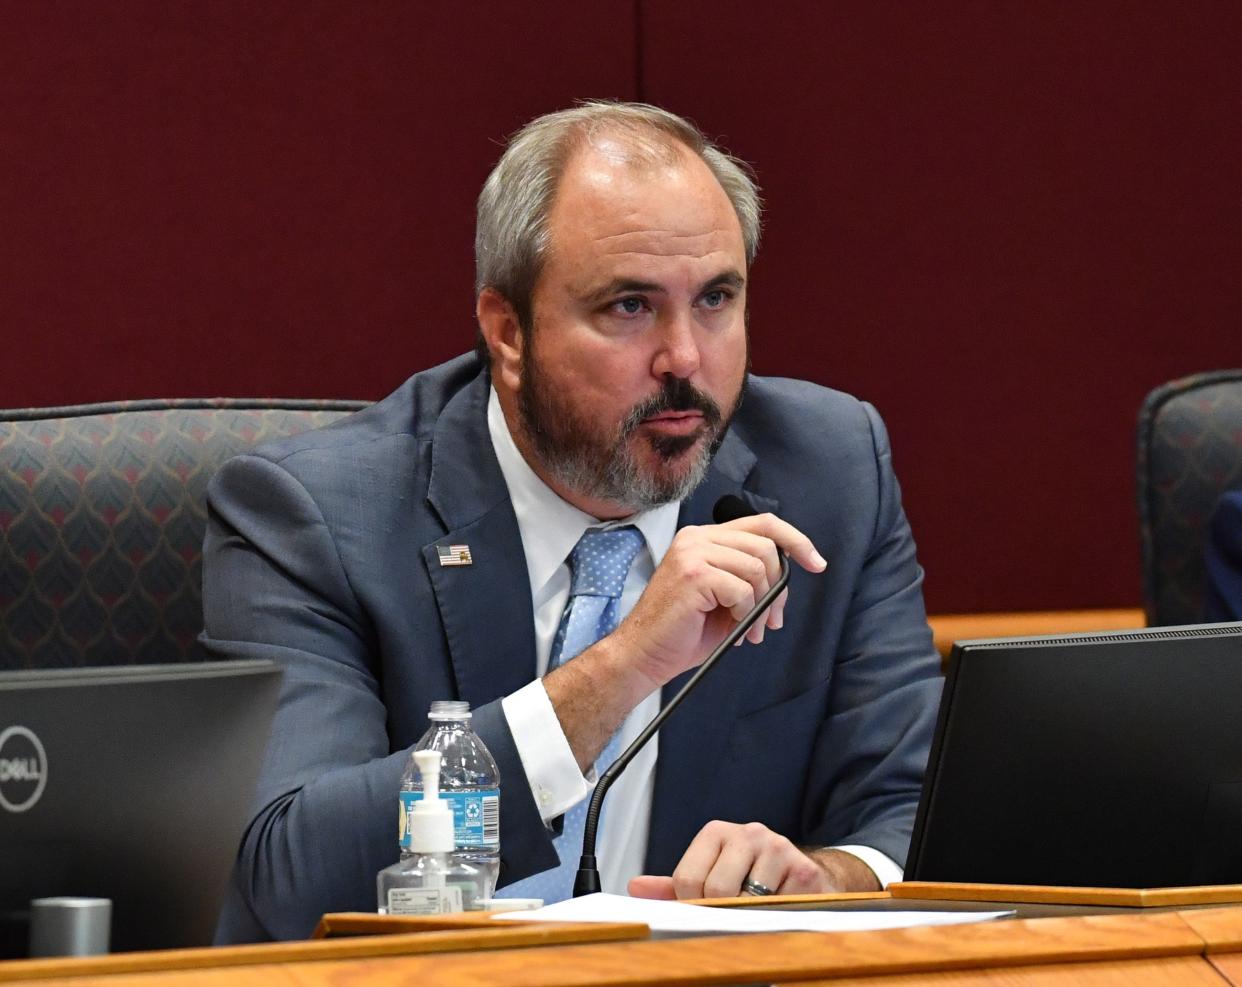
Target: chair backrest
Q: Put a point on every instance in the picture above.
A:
(102, 514)
(1189, 453)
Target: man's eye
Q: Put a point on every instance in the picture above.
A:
(628, 306)
(715, 298)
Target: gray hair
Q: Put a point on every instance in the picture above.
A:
(511, 234)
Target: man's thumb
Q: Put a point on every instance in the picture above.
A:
(649, 886)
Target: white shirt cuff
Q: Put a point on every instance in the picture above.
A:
(549, 763)
(884, 867)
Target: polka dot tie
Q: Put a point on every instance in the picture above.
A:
(599, 564)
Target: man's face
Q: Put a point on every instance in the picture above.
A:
(638, 351)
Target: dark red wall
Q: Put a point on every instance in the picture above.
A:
(1001, 222)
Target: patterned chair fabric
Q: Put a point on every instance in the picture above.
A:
(102, 517)
(1189, 453)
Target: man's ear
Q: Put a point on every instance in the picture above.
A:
(502, 332)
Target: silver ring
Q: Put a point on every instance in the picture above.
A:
(750, 886)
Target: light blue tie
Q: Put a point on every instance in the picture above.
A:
(599, 564)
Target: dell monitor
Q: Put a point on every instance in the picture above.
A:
(1103, 760)
(131, 783)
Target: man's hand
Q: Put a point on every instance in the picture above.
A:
(709, 579)
(724, 855)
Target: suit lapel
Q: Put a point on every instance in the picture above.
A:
(485, 607)
(692, 742)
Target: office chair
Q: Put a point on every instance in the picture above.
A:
(1189, 453)
(102, 517)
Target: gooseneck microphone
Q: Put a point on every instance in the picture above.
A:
(728, 508)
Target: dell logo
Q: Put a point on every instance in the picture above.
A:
(19, 770)
(23, 769)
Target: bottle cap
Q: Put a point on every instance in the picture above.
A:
(449, 709)
(431, 819)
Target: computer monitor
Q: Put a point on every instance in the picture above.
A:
(131, 783)
(1103, 760)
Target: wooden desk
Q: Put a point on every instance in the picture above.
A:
(950, 627)
(1182, 947)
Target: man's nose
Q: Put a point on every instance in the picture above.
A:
(678, 352)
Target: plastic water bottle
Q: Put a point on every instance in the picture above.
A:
(469, 781)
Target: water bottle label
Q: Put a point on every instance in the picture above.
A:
(476, 817)
(424, 901)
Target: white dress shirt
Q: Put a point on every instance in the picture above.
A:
(550, 528)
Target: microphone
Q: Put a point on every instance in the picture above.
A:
(728, 508)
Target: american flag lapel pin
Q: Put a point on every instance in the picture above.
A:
(454, 555)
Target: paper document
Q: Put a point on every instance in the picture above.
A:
(674, 916)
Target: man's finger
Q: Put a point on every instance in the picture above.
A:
(735, 861)
(790, 540)
(745, 566)
(652, 886)
(735, 580)
(776, 612)
(700, 856)
(759, 546)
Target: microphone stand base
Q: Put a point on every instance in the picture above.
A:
(587, 879)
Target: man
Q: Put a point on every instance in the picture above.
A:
(613, 250)
(1223, 560)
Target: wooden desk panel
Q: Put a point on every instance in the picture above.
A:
(1140, 947)
(1012, 894)
(1220, 928)
(950, 627)
(1190, 971)
(1229, 966)
(778, 957)
(466, 933)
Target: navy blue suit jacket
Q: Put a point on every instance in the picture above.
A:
(1224, 560)
(321, 553)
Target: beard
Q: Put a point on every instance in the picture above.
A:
(605, 464)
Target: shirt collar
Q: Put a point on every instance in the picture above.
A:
(550, 527)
